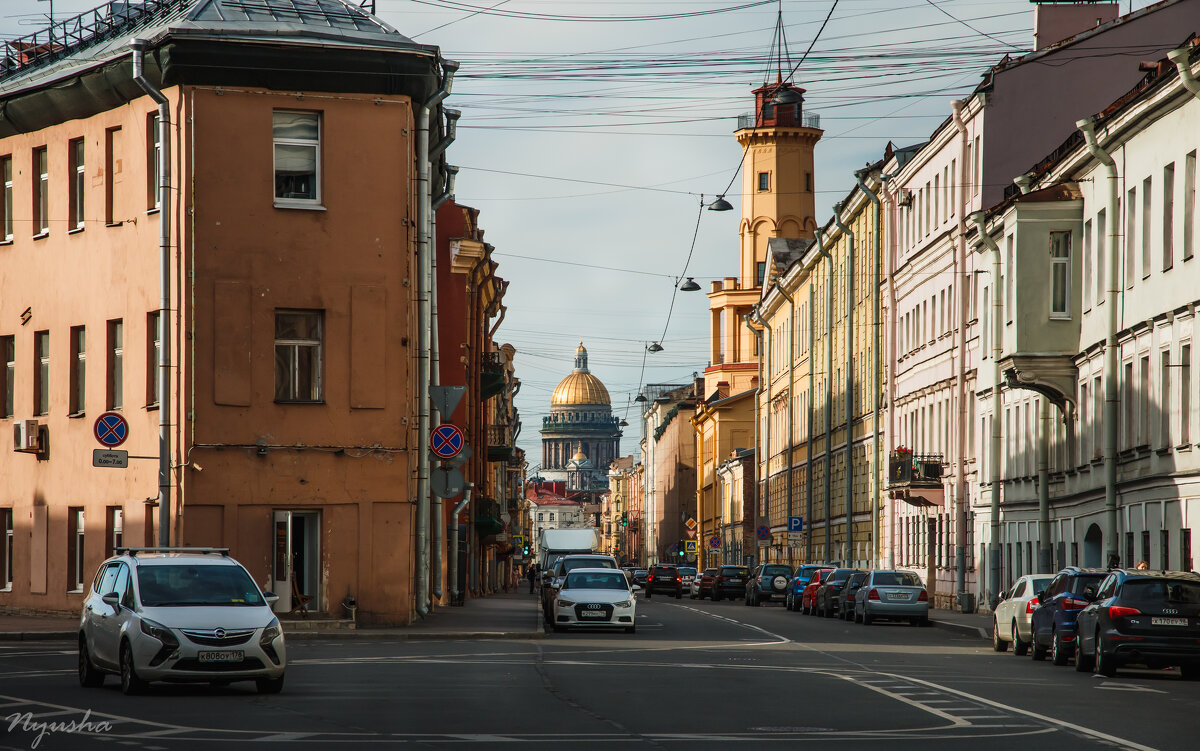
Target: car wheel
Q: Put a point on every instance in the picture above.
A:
(131, 684)
(925, 622)
(269, 685)
(89, 675)
(857, 615)
(679, 595)
(691, 595)
(716, 597)
(998, 644)
(1104, 666)
(1020, 646)
(558, 629)
(866, 618)
(1058, 650)
(631, 629)
(915, 620)
(649, 594)
(1036, 651)
(1083, 663)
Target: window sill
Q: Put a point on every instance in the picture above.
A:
(1060, 317)
(300, 206)
(6, 241)
(41, 235)
(152, 210)
(75, 231)
(152, 407)
(1163, 451)
(114, 224)
(76, 415)
(77, 591)
(1184, 447)
(297, 401)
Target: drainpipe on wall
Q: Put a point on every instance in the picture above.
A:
(791, 425)
(457, 594)
(890, 195)
(765, 463)
(820, 238)
(1180, 58)
(997, 407)
(808, 483)
(1111, 396)
(425, 283)
(876, 366)
(139, 47)
(849, 391)
(961, 276)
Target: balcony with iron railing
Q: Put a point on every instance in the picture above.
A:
(916, 478)
(499, 443)
(807, 120)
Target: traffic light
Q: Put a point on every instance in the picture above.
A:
(682, 552)
(624, 520)
(525, 550)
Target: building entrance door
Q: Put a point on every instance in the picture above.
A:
(297, 560)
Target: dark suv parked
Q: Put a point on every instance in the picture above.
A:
(768, 582)
(664, 578)
(1150, 618)
(825, 600)
(730, 582)
(1053, 622)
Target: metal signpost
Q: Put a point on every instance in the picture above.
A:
(795, 529)
(446, 441)
(764, 535)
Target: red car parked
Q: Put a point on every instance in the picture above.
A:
(808, 602)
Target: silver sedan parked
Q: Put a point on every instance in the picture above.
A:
(897, 595)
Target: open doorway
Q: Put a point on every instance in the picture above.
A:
(1093, 544)
(297, 561)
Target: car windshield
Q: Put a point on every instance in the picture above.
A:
(896, 579)
(685, 571)
(1039, 584)
(1083, 581)
(1161, 590)
(596, 580)
(806, 572)
(776, 571)
(570, 564)
(182, 584)
(734, 571)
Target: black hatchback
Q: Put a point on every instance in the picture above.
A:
(664, 579)
(826, 599)
(1149, 618)
(730, 582)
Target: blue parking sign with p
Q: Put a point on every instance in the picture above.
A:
(795, 524)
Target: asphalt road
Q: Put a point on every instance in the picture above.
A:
(696, 675)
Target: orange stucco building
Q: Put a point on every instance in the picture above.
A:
(293, 157)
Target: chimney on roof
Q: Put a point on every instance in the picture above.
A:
(1056, 20)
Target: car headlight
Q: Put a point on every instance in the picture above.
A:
(160, 632)
(565, 603)
(625, 604)
(270, 632)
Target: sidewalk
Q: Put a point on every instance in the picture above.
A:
(498, 616)
(975, 624)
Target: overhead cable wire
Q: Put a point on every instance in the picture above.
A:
(687, 261)
(969, 26)
(526, 15)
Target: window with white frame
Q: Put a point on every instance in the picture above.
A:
(8, 357)
(1087, 265)
(1185, 393)
(153, 152)
(153, 350)
(297, 144)
(1189, 205)
(1060, 274)
(1168, 217)
(1146, 224)
(75, 549)
(1131, 237)
(41, 192)
(298, 355)
(6, 205)
(41, 380)
(78, 369)
(1100, 244)
(76, 192)
(6, 524)
(1164, 399)
(115, 386)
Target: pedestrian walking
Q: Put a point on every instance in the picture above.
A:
(531, 574)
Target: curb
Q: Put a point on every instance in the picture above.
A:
(38, 635)
(978, 631)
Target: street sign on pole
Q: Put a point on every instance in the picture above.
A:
(445, 482)
(689, 547)
(763, 532)
(110, 458)
(446, 441)
(714, 542)
(446, 398)
(111, 429)
(795, 524)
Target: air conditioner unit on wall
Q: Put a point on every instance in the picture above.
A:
(25, 436)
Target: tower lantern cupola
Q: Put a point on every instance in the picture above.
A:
(771, 115)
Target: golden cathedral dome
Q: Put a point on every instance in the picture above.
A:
(580, 387)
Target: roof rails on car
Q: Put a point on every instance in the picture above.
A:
(135, 551)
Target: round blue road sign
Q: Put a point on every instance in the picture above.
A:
(111, 429)
(764, 532)
(446, 441)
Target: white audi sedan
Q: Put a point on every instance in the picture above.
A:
(179, 615)
(1012, 622)
(598, 598)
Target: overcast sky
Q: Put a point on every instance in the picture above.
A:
(590, 130)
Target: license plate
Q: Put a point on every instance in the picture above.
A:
(592, 614)
(897, 595)
(230, 655)
(737, 580)
(1168, 621)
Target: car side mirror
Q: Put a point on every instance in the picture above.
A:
(636, 588)
(270, 597)
(1089, 593)
(113, 600)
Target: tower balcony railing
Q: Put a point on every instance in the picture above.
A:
(807, 119)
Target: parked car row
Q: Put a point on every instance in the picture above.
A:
(1104, 619)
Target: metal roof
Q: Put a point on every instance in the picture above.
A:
(102, 34)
